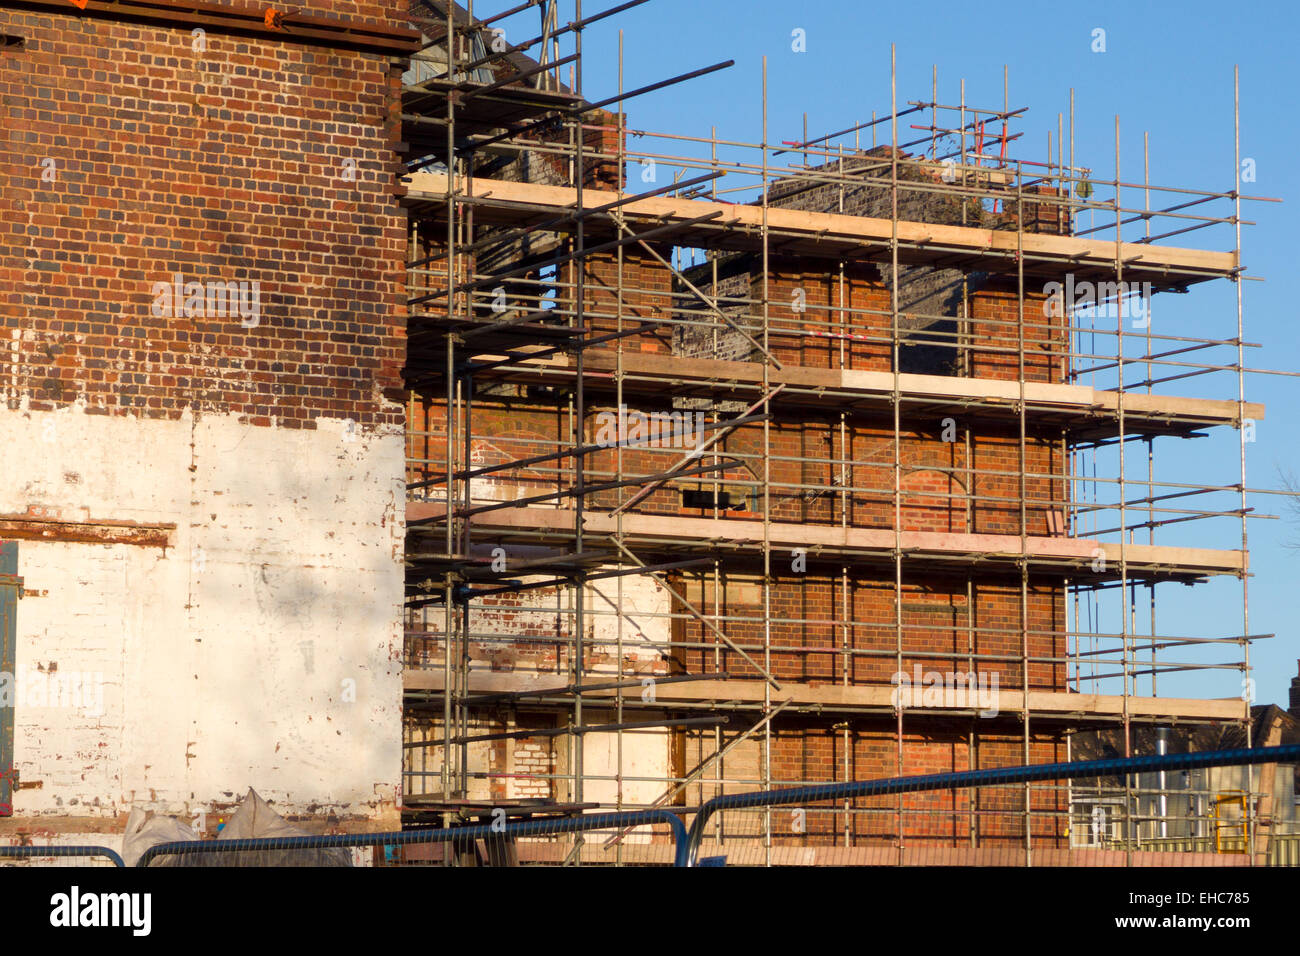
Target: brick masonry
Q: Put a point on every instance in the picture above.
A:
(133, 154)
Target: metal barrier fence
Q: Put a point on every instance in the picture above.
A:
(1282, 849)
(1005, 776)
(42, 852)
(501, 839)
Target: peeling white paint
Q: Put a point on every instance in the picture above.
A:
(225, 656)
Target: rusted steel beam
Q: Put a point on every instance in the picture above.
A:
(261, 21)
(40, 528)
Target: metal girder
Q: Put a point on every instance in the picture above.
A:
(11, 586)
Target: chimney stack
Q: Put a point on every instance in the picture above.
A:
(1295, 695)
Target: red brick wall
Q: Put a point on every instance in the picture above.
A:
(816, 614)
(847, 323)
(221, 165)
(647, 297)
(996, 319)
(813, 751)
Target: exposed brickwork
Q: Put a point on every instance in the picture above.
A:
(130, 157)
(814, 751)
(826, 627)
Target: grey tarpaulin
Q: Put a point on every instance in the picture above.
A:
(253, 819)
(144, 829)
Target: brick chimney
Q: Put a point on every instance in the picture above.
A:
(1295, 695)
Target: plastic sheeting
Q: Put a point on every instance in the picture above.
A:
(253, 819)
(144, 829)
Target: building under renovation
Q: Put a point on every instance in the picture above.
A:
(398, 429)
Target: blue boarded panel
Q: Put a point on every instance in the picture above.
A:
(10, 584)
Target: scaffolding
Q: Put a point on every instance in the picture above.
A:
(696, 574)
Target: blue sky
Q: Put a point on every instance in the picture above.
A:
(1167, 69)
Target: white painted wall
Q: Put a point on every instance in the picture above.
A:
(643, 624)
(226, 657)
(646, 643)
(645, 754)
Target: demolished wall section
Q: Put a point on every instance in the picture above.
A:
(202, 331)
